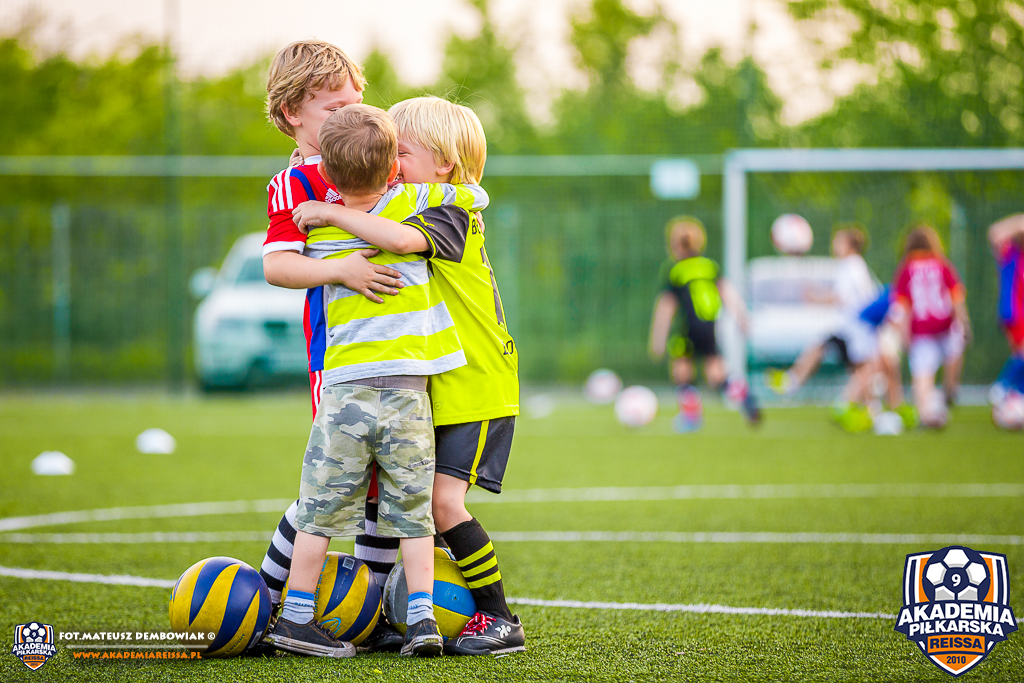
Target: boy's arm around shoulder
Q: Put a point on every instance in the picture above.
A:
(381, 232)
(292, 270)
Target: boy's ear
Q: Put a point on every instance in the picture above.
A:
(322, 170)
(446, 168)
(395, 167)
(290, 116)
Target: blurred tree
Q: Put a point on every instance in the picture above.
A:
(480, 72)
(945, 72)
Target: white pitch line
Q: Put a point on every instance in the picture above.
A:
(634, 606)
(155, 537)
(700, 609)
(555, 537)
(752, 537)
(751, 491)
(601, 494)
(145, 512)
(113, 580)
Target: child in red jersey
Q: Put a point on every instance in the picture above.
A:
(931, 304)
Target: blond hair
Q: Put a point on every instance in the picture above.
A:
(855, 237)
(685, 236)
(452, 132)
(299, 70)
(359, 145)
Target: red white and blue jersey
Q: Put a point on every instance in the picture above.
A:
(1011, 286)
(929, 286)
(286, 190)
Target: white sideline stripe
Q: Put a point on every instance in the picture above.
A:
(750, 537)
(155, 537)
(755, 491)
(112, 580)
(710, 492)
(632, 606)
(700, 609)
(146, 512)
(555, 537)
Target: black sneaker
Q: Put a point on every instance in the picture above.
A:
(307, 639)
(423, 639)
(383, 638)
(488, 635)
(261, 648)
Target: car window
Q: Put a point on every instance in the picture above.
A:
(251, 272)
(792, 291)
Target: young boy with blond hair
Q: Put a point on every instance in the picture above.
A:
(374, 414)
(308, 81)
(474, 407)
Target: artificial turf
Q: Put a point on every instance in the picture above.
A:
(249, 448)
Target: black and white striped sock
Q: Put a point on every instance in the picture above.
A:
(378, 552)
(277, 563)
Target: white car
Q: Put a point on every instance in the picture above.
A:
(247, 333)
(783, 316)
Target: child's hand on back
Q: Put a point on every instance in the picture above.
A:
(358, 274)
(311, 215)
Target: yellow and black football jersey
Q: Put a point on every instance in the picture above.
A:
(488, 385)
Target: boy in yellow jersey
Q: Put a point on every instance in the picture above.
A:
(374, 414)
(474, 406)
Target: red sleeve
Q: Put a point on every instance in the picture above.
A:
(284, 193)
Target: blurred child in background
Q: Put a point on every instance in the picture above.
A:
(694, 288)
(1007, 240)
(931, 300)
(854, 340)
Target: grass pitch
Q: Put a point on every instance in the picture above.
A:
(241, 448)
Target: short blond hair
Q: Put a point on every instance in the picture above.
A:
(302, 68)
(685, 236)
(359, 145)
(452, 132)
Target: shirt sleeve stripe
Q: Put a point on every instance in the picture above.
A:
(271, 247)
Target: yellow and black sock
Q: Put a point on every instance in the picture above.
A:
(479, 565)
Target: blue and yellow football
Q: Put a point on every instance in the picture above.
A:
(453, 603)
(347, 598)
(224, 598)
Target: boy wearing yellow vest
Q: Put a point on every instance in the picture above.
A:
(474, 406)
(374, 413)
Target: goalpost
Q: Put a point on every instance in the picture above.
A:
(740, 164)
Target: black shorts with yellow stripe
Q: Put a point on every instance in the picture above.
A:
(476, 452)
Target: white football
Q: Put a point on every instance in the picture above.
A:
(1008, 413)
(888, 424)
(636, 406)
(602, 386)
(792, 234)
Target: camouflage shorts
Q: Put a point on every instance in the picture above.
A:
(357, 428)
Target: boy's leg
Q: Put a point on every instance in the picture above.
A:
(736, 391)
(379, 553)
(335, 474)
(421, 637)
(691, 408)
(277, 563)
(477, 452)
(296, 629)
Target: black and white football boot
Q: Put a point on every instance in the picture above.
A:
(488, 635)
(423, 639)
(307, 639)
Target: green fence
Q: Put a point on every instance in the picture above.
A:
(93, 283)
